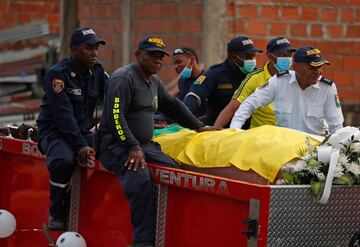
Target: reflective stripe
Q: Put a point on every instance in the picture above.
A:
(58, 184)
(198, 99)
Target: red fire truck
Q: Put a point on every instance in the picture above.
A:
(193, 209)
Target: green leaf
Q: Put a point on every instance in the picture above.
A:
(317, 187)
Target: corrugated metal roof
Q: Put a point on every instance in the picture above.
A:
(27, 31)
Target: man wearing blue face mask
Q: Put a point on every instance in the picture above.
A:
(217, 85)
(279, 54)
(186, 64)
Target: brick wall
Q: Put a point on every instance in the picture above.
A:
(333, 26)
(178, 24)
(19, 12)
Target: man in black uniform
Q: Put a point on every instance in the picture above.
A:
(72, 88)
(219, 82)
(133, 94)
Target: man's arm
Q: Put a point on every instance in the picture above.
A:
(118, 99)
(62, 110)
(226, 114)
(260, 98)
(200, 90)
(176, 110)
(333, 113)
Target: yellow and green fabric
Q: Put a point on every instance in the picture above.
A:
(264, 149)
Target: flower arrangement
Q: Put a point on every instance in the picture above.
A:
(313, 169)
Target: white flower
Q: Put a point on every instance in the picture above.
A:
(343, 160)
(342, 136)
(313, 166)
(354, 168)
(320, 176)
(355, 147)
(299, 165)
(281, 181)
(338, 171)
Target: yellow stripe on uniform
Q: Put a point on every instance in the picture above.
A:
(243, 83)
(116, 111)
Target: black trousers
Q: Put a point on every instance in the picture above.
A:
(138, 186)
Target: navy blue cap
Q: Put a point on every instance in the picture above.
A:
(279, 44)
(242, 44)
(152, 43)
(85, 35)
(310, 55)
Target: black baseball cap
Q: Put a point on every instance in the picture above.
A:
(85, 35)
(310, 55)
(152, 43)
(242, 44)
(279, 44)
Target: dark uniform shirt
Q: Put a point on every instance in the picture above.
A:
(69, 102)
(217, 86)
(184, 87)
(130, 105)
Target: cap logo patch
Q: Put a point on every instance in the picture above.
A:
(247, 42)
(200, 80)
(157, 41)
(313, 52)
(58, 85)
(282, 41)
(88, 31)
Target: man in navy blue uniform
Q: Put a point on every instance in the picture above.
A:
(219, 82)
(186, 64)
(133, 94)
(72, 88)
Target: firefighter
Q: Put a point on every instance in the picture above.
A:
(217, 85)
(133, 94)
(72, 88)
(303, 99)
(279, 54)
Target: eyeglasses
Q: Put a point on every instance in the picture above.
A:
(180, 51)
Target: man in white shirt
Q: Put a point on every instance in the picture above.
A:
(303, 99)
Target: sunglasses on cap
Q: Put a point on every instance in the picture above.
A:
(181, 51)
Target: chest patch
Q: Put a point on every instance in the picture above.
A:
(58, 85)
(225, 86)
(74, 91)
(200, 80)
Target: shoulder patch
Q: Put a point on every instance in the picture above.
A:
(337, 101)
(281, 73)
(200, 80)
(58, 85)
(326, 80)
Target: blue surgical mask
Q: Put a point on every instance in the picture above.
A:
(186, 73)
(249, 65)
(283, 63)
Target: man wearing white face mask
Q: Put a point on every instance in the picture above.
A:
(279, 54)
(217, 85)
(186, 64)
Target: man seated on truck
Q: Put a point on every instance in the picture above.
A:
(132, 96)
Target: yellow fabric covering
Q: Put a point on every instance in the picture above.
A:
(264, 149)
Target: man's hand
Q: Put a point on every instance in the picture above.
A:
(136, 159)
(207, 128)
(86, 157)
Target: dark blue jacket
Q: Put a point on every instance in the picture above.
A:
(216, 86)
(69, 103)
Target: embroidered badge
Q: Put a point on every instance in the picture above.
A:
(200, 80)
(225, 86)
(337, 101)
(58, 85)
(74, 91)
